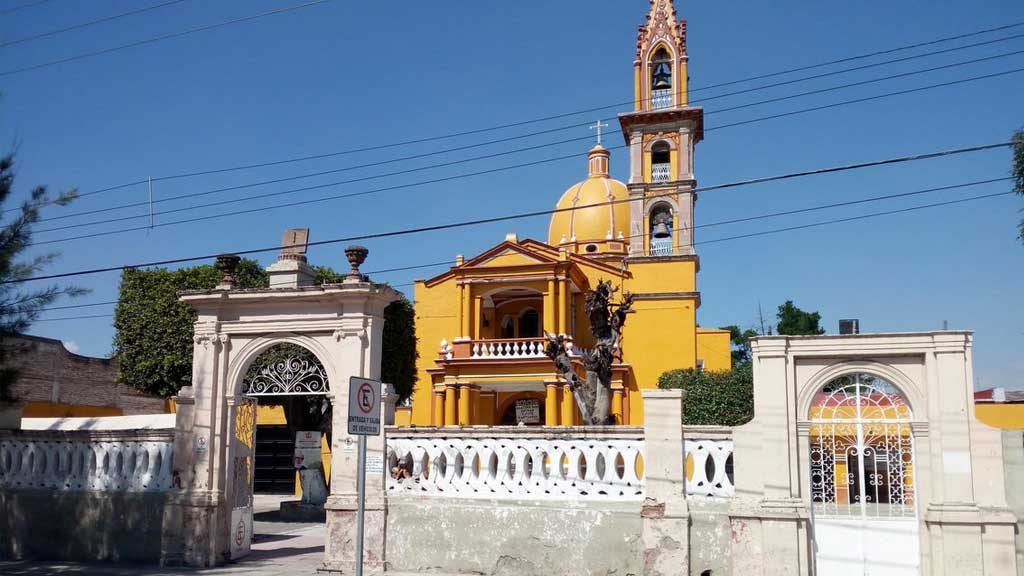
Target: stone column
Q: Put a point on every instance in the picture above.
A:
(568, 407)
(551, 403)
(550, 302)
(451, 404)
(466, 311)
(666, 519)
(563, 307)
(438, 416)
(357, 353)
(617, 405)
(465, 402)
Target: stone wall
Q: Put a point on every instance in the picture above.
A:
(83, 495)
(513, 538)
(53, 382)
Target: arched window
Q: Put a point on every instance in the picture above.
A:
(508, 328)
(661, 79)
(861, 448)
(529, 324)
(661, 231)
(661, 168)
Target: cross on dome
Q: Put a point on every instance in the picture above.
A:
(598, 126)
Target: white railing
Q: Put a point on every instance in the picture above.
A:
(511, 463)
(661, 99)
(709, 467)
(661, 172)
(660, 247)
(521, 348)
(126, 461)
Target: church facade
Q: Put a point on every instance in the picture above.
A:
(481, 324)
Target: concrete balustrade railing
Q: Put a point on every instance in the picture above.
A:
(589, 463)
(709, 464)
(106, 461)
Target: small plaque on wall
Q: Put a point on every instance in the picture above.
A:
(528, 411)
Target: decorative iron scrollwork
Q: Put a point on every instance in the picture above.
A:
(286, 377)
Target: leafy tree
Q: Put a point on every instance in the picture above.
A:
(724, 398)
(1018, 171)
(795, 322)
(154, 328)
(153, 336)
(740, 343)
(20, 305)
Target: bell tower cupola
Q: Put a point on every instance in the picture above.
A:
(661, 133)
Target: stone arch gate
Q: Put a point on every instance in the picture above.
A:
(342, 325)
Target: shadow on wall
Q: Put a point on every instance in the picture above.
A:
(81, 526)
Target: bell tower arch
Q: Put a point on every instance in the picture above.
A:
(661, 133)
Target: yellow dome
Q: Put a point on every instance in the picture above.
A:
(586, 222)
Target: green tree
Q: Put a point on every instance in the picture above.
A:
(1018, 171)
(20, 304)
(724, 398)
(154, 329)
(740, 343)
(795, 322)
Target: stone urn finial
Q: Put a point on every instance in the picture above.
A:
(227, 265)
(356, 256)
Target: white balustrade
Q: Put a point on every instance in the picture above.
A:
(48, 463)
(525, 348)
(661, 172)
(516, 467)
(709, 467)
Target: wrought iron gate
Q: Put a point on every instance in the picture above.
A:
(862, 479)
(242, 464)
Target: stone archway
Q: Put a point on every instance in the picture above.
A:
(342, 325)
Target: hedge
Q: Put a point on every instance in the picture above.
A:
(723, 398)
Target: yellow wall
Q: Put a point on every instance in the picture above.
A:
(1005, 416)
(714, 347)
(437, 318)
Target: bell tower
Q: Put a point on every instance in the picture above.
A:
(661, 132)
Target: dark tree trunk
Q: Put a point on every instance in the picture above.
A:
(593, 392)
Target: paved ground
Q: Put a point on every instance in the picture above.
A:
(278, 548)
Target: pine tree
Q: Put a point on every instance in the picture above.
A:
(21, 303)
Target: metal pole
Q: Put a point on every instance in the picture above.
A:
(361, 488)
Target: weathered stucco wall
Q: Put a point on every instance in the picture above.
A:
(710, 534)
(80, 526)
(513, 538)
(1013, 462)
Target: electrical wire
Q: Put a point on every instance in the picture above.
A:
(443, 151)
(87, 24)
(464, 175)
(23, 6)
(178, 34)
(522, 215)
(586, 110)
(729, 238)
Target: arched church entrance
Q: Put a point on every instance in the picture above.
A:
(862, 478)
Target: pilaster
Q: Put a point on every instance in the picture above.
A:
(666, 519)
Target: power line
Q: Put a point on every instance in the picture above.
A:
(522, 215)
(23, 6)
(741, 236)
(450, 178)
(586, 110)
(160, 38)
(87, 24)
(454, 162)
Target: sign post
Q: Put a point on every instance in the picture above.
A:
(363, 421)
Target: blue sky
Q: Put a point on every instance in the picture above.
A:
(345, 75)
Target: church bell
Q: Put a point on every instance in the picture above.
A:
(661, 230)
(662, 77)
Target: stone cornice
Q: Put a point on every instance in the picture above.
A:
(630, 120)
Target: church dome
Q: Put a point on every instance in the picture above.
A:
(586, 222)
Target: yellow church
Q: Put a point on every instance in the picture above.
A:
(481, 324)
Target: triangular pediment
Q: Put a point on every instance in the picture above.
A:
(508, 254)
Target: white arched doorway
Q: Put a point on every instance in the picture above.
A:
(342, 326)
(862, 485)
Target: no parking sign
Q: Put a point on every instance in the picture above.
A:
(363, 407)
